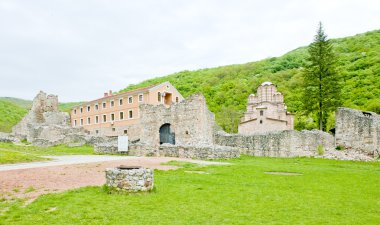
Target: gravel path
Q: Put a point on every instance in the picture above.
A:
(64, 160)
(30, 180)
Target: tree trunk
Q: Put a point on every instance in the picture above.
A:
(320, 119)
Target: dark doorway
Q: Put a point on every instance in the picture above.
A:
(166, 136)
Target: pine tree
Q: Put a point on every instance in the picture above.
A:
(320, 79)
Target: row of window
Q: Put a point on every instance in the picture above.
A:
(112, 104)
(104, 118)
(113, 130)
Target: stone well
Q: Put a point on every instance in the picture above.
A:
(129, 178)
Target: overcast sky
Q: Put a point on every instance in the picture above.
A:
(78, 49)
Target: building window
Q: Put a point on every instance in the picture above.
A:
(81, 122)
(112, 103)
(112, 116)
(96, 107)
(176, 99)
(89, 120)
(141, 97)
(261, 122)
(104, 118)
(97, 131)
(130, 114)
(121, 101)
(88, 108)
(96, 119)
(113, 129)
(75, 111)
(159, 96)
(75, 123)
(104, 105)
(130, 100)
(261, 113)
(125, 131)
(81, 110)
(121, 116)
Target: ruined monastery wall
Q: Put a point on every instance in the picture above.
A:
(190, 121)
(358, 130)
(278, 144)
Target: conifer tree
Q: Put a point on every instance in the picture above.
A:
(320, 79)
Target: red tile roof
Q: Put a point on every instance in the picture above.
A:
(131, 92)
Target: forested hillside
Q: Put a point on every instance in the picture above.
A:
(226, 88)
(10, 115)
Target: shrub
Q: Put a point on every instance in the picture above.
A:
(320, 150)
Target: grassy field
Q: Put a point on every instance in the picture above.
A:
(326, 192)
(11, 153)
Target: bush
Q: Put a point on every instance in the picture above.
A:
(320, 150)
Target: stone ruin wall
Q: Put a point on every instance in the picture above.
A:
(42, 103)
(287, 143)
(190, 120)
(194, 152)
(358, 130)
(45, 125)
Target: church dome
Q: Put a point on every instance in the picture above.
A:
(266, 83)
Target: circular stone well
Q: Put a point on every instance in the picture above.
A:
(129, 178)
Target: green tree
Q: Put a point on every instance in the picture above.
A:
(321, 93)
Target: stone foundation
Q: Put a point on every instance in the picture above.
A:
(167, 150)
(193, 152)
(109, 146)
(278, 144)
(129, 179)
(5, 137)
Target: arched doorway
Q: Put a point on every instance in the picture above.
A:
(166, 136)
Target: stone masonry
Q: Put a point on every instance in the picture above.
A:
(129, 180)
(191, 122)
(42, 103)
(358, 130)
(278, 144)
(45, 125)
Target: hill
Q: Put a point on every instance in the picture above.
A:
(226, 88)
(10, 115)
(12, 110)
(26, 104)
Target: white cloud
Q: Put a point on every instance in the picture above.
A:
(79, 49)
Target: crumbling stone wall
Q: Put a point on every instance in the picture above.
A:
(358, 130)
(6, 137)
(193, 152)
(190, 120)
(45, 126)
(44, 109)
(288, 143)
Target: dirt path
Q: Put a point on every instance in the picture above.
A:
(33, 182)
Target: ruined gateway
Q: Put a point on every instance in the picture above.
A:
(188, 129)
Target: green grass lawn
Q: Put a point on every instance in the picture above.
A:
(327, 192)
(11, 153)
